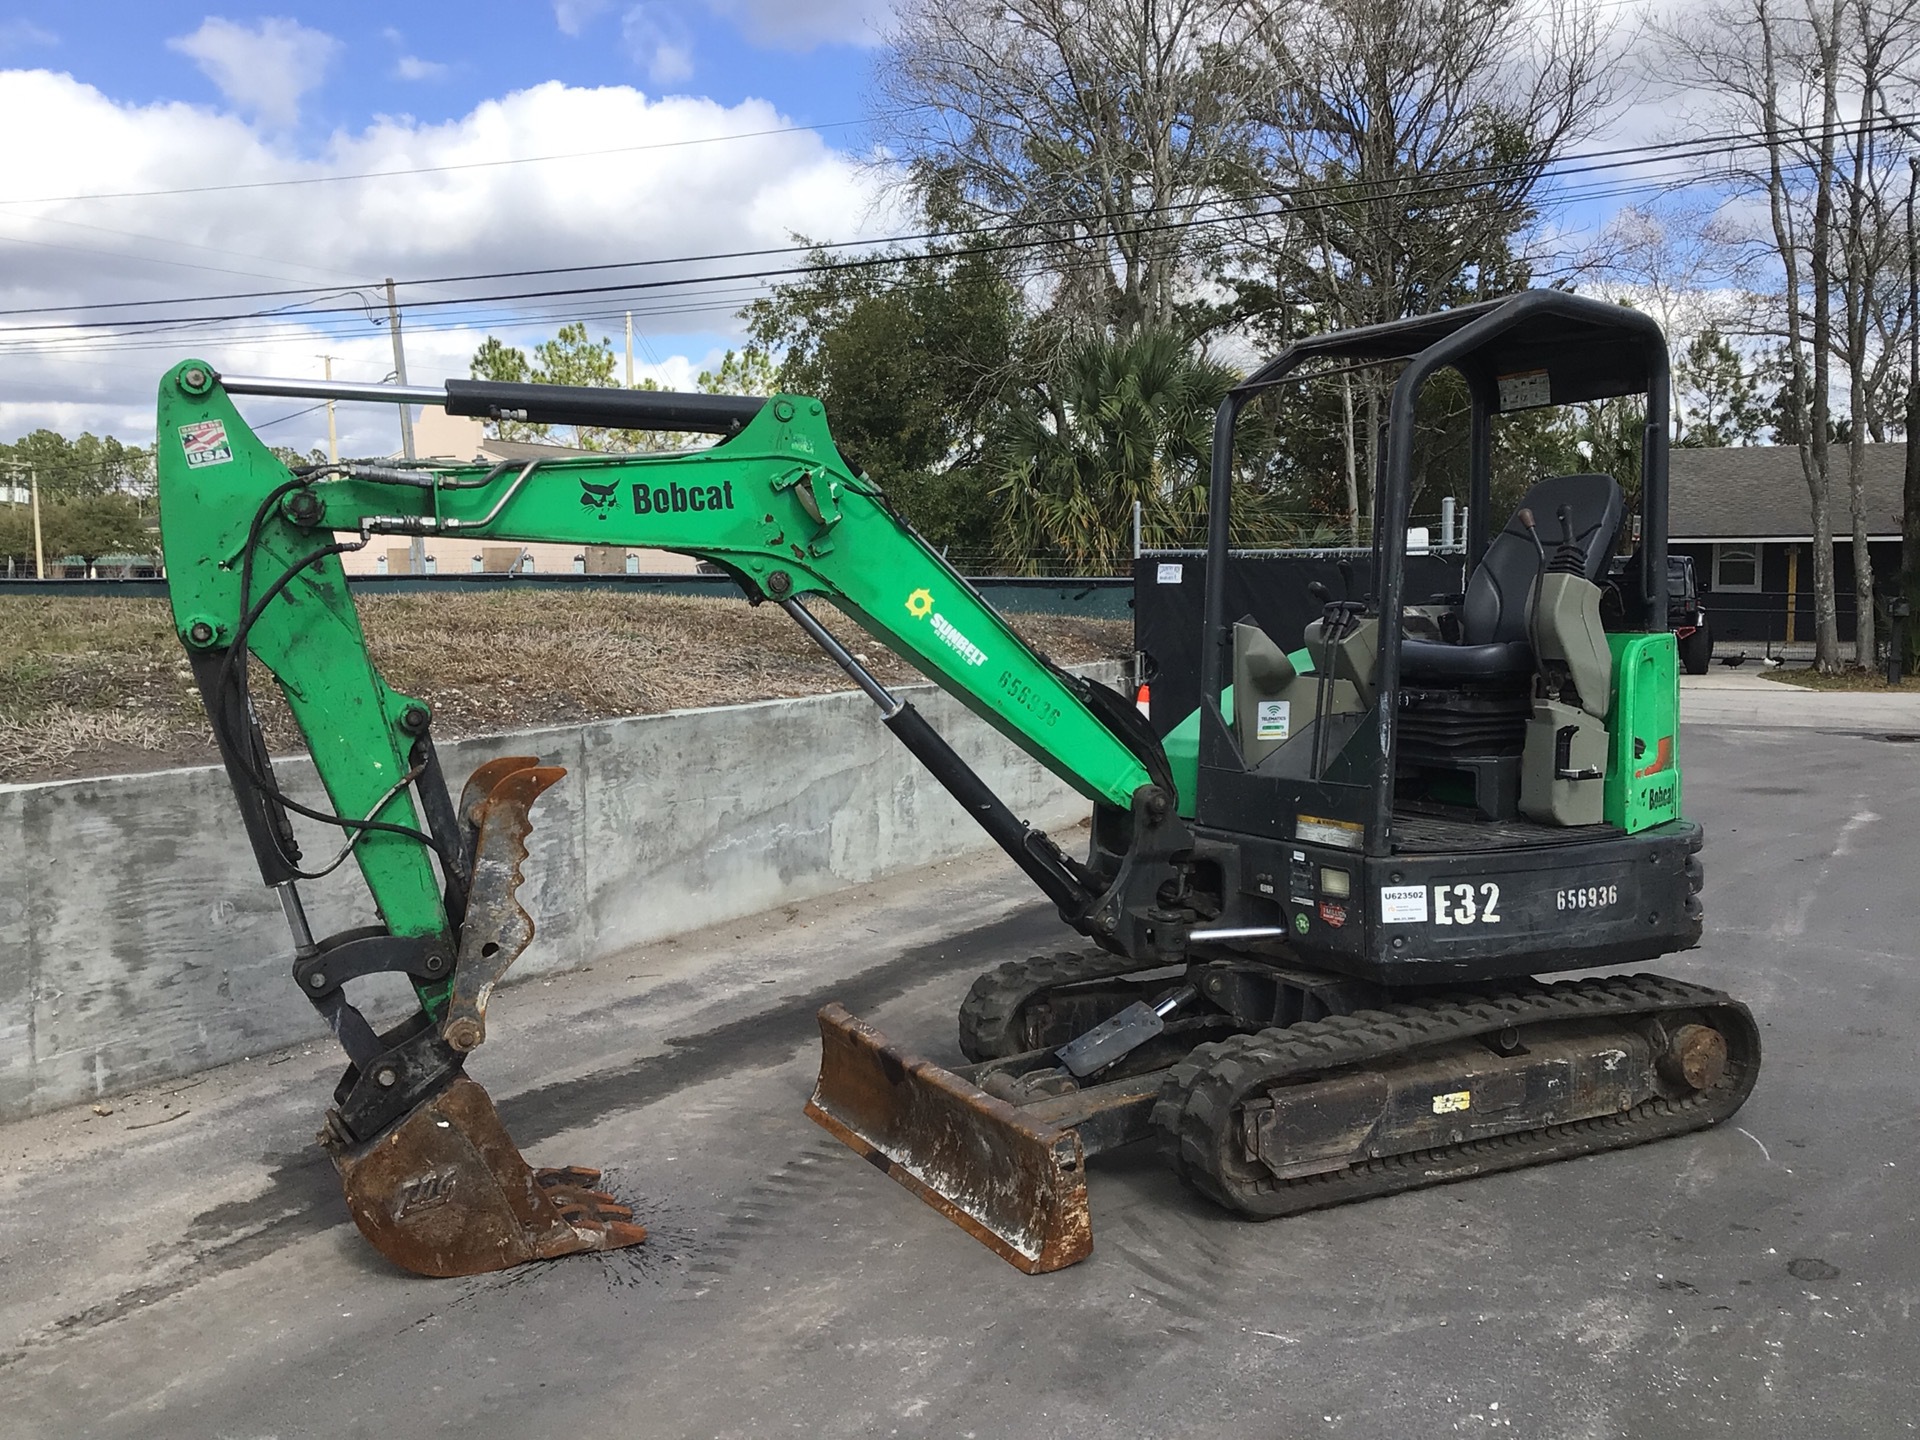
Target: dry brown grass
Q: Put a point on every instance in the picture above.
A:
(91, 686)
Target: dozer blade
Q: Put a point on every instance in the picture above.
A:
(444, 1192)
(1017, 1186)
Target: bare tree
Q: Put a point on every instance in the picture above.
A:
(1415, 134)
(1409, 140)
(1671, 262)
(1806, 77)
(1103, 131)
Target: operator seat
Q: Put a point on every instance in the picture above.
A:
(1493, 643)
(1465, 706)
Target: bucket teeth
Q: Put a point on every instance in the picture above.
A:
(445, 1192)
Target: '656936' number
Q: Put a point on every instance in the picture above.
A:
(1024, 694)
(1587, 897)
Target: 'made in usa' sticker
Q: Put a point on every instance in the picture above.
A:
(205, 443)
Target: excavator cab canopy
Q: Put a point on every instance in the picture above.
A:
(1537, 349)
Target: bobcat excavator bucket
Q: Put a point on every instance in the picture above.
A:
(443, 1191)
(1012, 1181)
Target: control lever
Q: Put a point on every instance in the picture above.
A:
(1339, 618)
(1525, 517)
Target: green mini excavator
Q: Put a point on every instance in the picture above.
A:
(1315, 914)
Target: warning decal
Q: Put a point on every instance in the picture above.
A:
(205, 443)
(1526, 390)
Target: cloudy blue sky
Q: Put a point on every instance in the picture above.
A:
(162, 154)
(650, 130)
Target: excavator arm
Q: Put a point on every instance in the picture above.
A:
(252, 552)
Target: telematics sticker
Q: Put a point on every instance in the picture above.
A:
(1403, 904)
(1273, 719)
(1454, 1100)
(205, 443)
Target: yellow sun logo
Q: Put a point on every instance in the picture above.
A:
(920, 604)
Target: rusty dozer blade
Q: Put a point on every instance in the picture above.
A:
(443, 1190)
(1017, 1186)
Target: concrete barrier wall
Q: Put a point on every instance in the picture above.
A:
(137, 942)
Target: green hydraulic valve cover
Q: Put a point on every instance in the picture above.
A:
(1643, 763)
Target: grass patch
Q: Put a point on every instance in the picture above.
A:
(97, 685)
(1852, 678)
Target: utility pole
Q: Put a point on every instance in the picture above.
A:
(39, 550)
(417, 550)
(629, 349)
(1910, 486)
(333, 437)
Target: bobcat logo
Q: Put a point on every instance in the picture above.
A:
(597, 497)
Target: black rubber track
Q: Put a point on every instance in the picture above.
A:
(990, 1015)
(1197, 1112)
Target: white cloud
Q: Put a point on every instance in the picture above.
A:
(263, 70)
(659, 42)
(573, 16)
(24, 35)
(674, 199)
(803, 24)
(772, 24)
(412, 67)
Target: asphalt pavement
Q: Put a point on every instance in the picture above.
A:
(183, 1265)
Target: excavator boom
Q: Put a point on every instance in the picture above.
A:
(253, 552)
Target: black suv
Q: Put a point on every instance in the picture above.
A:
(1686, 617)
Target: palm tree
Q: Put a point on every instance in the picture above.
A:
(1119, 423)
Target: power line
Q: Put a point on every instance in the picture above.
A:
(273, 326)
(269, 327)
(1342, 192)
(269, 424)
(566, 301)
